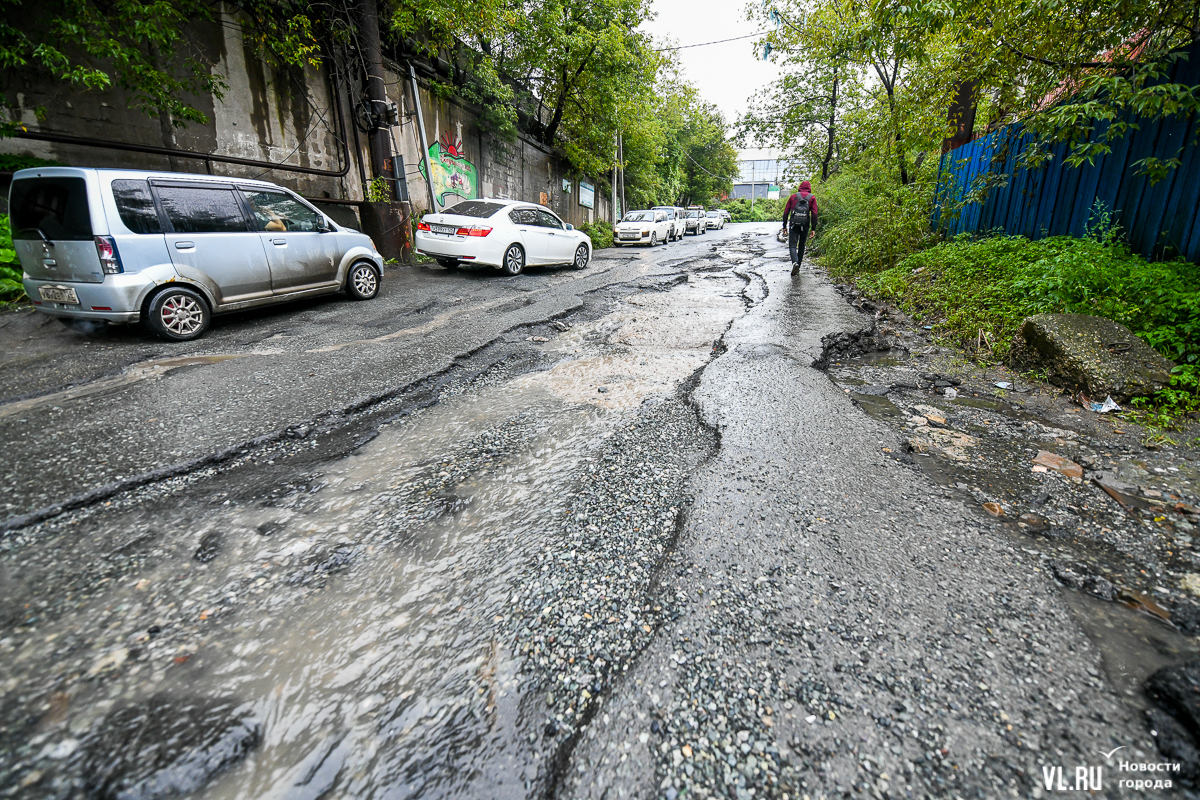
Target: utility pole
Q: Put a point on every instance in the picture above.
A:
(379, 139)
(752, 165)
(616, 161)
(621, 163)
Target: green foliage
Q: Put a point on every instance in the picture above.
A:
(763, 211)
(869, 222)
(379, 190)
(11, 289)
(12, 163)
(599, 232)
(991, 284)
(975, 290)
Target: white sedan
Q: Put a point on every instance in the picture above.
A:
(642, 227)
(714, 219)
(507, 234)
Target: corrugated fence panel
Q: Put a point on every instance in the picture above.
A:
(1160, 220)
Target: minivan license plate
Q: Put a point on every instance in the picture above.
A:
(55, 294)
(451, 229)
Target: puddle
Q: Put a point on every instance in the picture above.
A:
(362, 616)
(145, 370)
(1133, 645)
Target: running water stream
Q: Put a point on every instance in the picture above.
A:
(354, 627)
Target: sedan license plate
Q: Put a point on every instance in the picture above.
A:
(451, 229)
(631, 236)
(58, 294)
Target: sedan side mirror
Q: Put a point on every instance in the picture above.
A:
(570, 227)
(323, 226)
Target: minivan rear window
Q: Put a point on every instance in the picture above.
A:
(200, 209)
(51, 208)
(474, 208)
(136, 206)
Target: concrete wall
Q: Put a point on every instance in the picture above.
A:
(487, 166)
(290, 117)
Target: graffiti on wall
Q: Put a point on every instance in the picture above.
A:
(452, 172)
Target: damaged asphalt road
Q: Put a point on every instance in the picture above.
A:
(613, 536)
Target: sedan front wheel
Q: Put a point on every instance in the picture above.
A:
(581, 256)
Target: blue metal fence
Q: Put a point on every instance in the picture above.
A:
(1160, 220)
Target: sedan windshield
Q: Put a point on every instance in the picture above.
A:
(639, 216)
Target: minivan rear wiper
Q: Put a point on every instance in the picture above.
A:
(46, 239)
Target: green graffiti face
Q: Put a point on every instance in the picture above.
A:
(452, 174)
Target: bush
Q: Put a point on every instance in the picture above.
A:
(11, 290)
(868, 222)
(763, 211)
(600, 232)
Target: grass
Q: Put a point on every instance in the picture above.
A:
(975, 292)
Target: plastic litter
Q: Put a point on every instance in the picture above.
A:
(1105, 407)
(1003, 385)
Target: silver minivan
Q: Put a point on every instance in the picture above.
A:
(172, 249)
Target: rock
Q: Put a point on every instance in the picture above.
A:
(1035, 522)
(164, 747)
(210, 546)
(1174, 742)
(1091, 354)
(1058, 463)
(1177, 691)
(994, 509)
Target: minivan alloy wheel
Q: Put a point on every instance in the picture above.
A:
(178, 314)
(364, 283)
(181, 315)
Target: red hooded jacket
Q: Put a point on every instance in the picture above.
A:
(805, 193)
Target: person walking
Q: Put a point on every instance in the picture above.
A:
(800, 222)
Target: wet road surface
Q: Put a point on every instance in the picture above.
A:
(583, 534)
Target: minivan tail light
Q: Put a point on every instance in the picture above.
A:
(484, 231)
(422, 225)
(110, 259)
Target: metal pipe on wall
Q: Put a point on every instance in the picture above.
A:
(208, 158)
(412, 74)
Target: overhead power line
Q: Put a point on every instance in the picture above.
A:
(706, 44)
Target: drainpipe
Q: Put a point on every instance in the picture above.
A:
(424, 144)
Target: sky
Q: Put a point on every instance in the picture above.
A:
(726, 74)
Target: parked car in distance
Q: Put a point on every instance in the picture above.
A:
(173, 249)
(725, 215)
(715, 220)
(642, 227)
(676, 220)
(506, 234)
(694, 221)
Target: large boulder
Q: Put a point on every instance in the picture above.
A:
(1093, 355)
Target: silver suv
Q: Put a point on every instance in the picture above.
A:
(172, 249)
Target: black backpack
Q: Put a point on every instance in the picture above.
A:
(801, 214)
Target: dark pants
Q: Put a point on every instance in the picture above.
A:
(797, 238)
